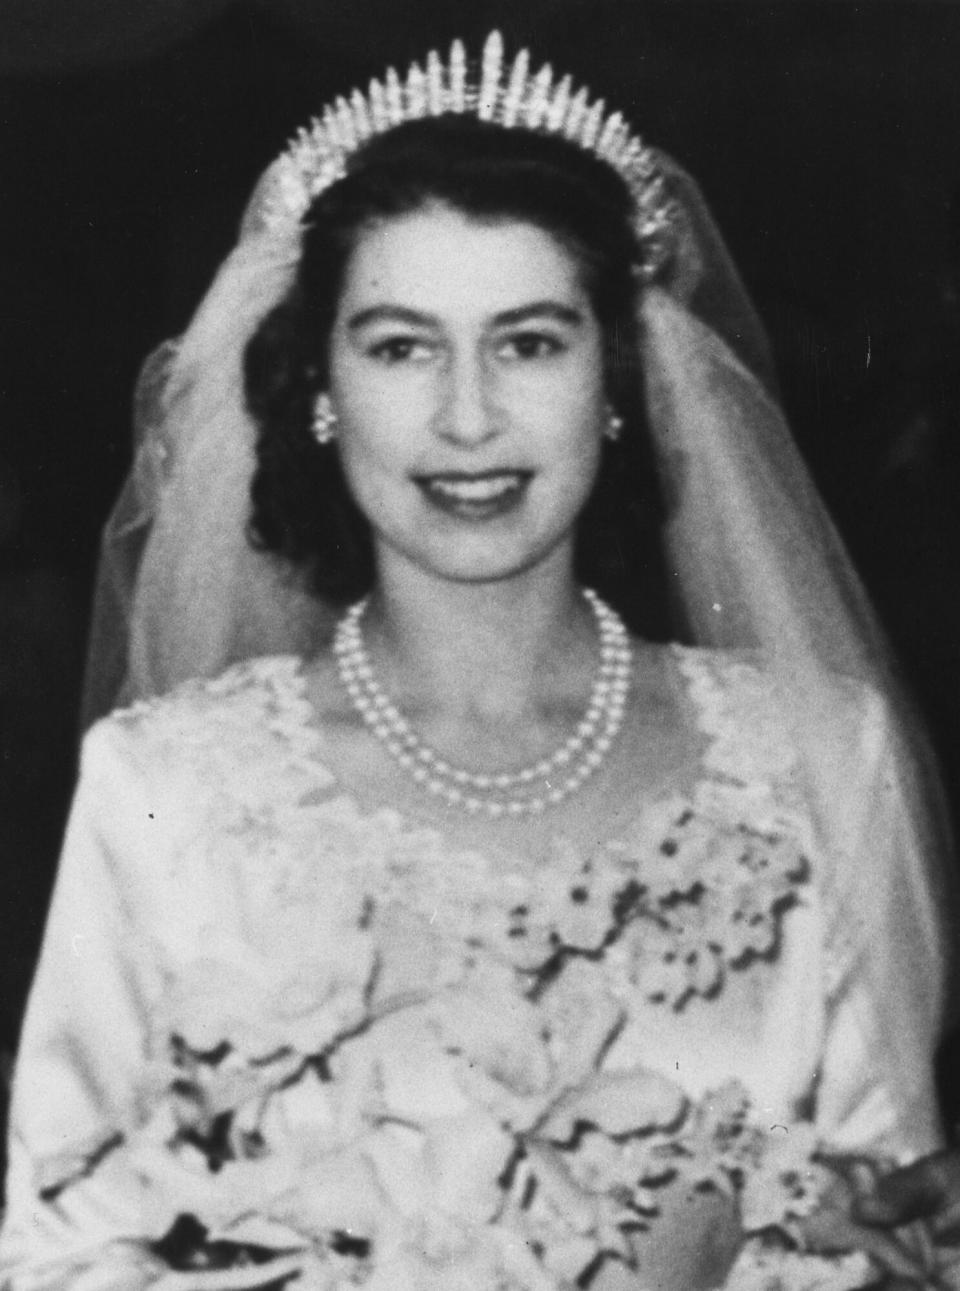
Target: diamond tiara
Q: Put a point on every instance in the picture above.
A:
(508, 95)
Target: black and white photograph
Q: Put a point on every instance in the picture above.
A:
(479, 645)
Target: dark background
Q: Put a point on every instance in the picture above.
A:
(825, 136)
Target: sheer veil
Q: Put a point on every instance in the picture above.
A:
(761, 566)
(756, 560)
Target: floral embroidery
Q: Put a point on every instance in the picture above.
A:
(754, 745)
(698, 888)
(390, 1064)
(248, 731)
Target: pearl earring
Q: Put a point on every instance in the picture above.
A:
(324, 423)
(614, 426)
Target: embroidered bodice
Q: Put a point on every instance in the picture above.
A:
(251, 981)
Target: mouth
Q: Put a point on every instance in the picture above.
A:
(475, 495)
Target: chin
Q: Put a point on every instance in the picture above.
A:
(481, 572)
(487, 571)
(478, 553)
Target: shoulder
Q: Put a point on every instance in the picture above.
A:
(739, 709)
(742, 677)
(757, 713)
(161, 778)
(249, 708)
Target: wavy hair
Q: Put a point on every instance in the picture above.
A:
(302, 508)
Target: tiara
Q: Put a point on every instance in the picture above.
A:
(508, 95)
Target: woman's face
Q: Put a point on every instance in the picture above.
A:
(466, 369)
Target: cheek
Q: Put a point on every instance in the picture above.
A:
(370, 483)
(572, 418)
(583, 418)
(577, 401)
(584, 469)
(375, 428)
(368, 464)
(571, 447)
(376, 442)
(379, 409)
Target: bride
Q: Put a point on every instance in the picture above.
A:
(442, 925)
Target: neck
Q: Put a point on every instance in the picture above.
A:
(494, 649)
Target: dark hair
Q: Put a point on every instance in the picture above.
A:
(302, 507)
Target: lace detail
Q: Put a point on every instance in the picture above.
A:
(697, 888)
(246, 732)
(737, 706)
(469, 1060)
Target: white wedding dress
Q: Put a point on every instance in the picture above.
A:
(341, 1046)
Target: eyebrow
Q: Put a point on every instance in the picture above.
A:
(540, 309)
(507, 318)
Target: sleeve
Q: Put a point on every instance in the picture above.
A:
(83, 1050)
(886, 953)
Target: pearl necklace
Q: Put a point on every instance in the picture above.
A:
(506, 793)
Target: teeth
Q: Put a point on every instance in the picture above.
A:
(478, 490)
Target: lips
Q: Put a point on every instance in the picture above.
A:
(475, 495)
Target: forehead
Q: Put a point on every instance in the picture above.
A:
(439, 260)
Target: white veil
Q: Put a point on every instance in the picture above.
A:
(756, 560)
(180, 592)
(759, 564)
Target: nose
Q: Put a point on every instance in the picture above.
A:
(467, 415)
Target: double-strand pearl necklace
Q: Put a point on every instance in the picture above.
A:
(505, 793)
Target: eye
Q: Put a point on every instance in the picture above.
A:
(400, 349)
(531, 345)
